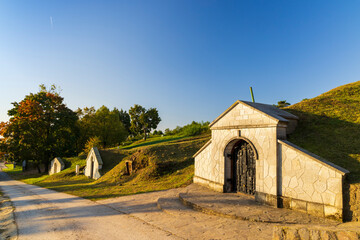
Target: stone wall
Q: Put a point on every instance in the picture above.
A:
(296, 232)
(260, 130)
(310, 183)
(207, 170)
(243, 115)
(286, 175)
(211, 162)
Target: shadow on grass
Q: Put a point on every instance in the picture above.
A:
(152, 142)
(170, 167)
(111, 158)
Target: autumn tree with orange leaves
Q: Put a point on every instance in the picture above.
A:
(40, 128)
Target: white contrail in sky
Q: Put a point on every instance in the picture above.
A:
(51, 23)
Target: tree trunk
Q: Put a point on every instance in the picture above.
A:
(46, 165)
(38, 168)
(46, 161)
(145, 134)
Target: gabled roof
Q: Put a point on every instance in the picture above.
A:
(59, 160)
(269, 110)
(97, 155)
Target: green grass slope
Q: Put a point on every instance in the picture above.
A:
(158, 165)
(329, 126)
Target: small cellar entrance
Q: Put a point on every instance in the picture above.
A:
(243, 167)
(92, 168)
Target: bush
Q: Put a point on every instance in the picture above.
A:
(157, 133)
(192, 129)
(92, 142)
(195, 128)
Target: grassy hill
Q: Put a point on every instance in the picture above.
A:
(159, 164)
(329, 126)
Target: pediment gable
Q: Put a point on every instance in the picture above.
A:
(243, 113)
(94, 152)
(59, 161)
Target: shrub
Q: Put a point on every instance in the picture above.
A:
(195, 128)
(92, 142)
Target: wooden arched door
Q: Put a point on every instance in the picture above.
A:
(92, 168)
(243, 168)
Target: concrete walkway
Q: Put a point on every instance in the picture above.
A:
(164, 210)
(45, 214)
(244, 207)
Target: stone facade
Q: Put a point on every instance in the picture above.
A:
(310, 179)
(93, 164)
(56, 165)
(285, 174)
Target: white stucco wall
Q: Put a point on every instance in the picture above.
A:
(309, 178)
(93, 156)
(56, 165)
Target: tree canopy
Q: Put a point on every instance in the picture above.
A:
(143, 120)
(40, 128)
(282, 104)
(102, 123)
(124, 118)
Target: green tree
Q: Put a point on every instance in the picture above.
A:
(85, 125)
(142, 120)
(40, 128)
(92, 142)
(124, 118)
(282, 104)
(102, 123)
(195, 128)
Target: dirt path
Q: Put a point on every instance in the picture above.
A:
(44, 214)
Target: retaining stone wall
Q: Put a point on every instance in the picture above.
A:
(316, 233)
(352, 203)
(310, 180)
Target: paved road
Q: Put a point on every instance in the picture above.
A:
(45, 214)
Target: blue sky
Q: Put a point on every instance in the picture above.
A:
(189, 59)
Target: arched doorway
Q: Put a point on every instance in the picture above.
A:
(241, 167)
(55, 170)
(92, 168)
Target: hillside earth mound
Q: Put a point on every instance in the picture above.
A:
(329, 126)
(158, 164)
(156, 167)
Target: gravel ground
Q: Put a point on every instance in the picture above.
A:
(8, 229)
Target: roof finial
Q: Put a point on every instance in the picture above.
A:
(252, 95)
